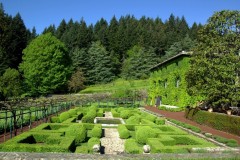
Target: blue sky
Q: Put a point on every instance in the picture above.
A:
(42, 13)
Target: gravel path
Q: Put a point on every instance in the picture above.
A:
(111, 142)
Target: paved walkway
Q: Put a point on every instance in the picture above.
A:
(111, 142)
(180, 117)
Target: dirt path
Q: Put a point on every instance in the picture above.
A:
(180, 117)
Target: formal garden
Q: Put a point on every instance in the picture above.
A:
(77, 130)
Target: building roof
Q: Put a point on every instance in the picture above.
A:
(183, 53)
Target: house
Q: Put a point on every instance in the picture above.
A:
(168, 80)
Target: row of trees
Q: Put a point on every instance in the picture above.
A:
(50, 63)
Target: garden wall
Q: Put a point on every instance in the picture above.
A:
(215, 120)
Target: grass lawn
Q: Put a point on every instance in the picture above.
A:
(118, 85)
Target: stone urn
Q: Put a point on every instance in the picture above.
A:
(96, 148)
(210, 109)
(146, 149)
(229, 112)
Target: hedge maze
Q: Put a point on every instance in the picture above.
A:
(73, 131)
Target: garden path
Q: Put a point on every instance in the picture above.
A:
(180, 117)
(111, 142)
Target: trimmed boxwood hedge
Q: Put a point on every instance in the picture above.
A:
(215, 120)
(143, 133)
(123, 132)
(131, 146)
(78, 131)
(133, 120)
(96, 131)
(54, 119)
(64, 116)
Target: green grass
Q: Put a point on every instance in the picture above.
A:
(118, 85)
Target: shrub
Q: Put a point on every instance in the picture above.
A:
(70, 120)
(78, 131)
(132, 147)
(188, 126)
(125, 114)
(123, 132)
(72, 112)
(92, 141)
(64, 116)
(149, 117)
(160, 121)
(81, 149)
(54, 119)
(96, 131)
(89, 117)
(115, 113)
(146, 121)
(143, 133)
(133, 120)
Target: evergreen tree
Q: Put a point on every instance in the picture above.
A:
(100, 31)
(138, 63)
(101, 67)
(61, 29)
(50, 29)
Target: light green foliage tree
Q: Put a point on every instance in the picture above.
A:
(214, 71)
(45, 65)
(138, 63)
(10, 83)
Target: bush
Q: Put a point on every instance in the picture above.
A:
(228, 142)
(89, 117)
(133, 120)
(64, 116)
(70, 120)
(188, 126)
(132, 147)
(160, 121)
(96, 131)
(72, 112)
(115, 113)
(82, 149)
(54, 119)
(125, 114)
(78, 131)
(149, 117)
(215, 120)
(123, 132)
(92, 141)
(145, 121)
(143, 133)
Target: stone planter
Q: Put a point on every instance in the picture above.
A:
(146, 149)
(210, 110)
(229, 112)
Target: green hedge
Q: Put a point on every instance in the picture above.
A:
(215, 120)
(123, 132)
(149, 117)
(146, 121)
(54, 119)
(115, 113)
(143, 133)
(131, 146)
(160, 121)
(64, 116)
(228, 142)
(133, 120)
(96, 131)
(89, 117)
(92, 141)
(33, 142)
(82, 149)
(188, 126)
(70, 120)
(125, 114)
(78, 131)
(72, 112)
